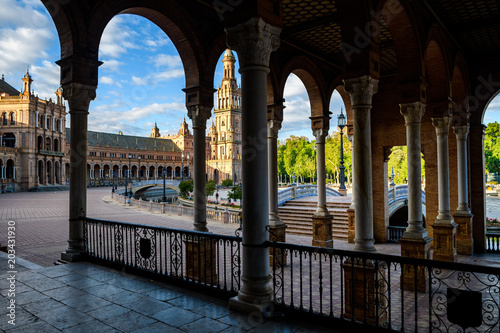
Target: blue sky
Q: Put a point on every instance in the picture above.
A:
(142, 76)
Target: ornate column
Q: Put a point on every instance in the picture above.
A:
(444, 227)
(322, 220)
(78, 97)
(463, 216)
(415, 241)
(351, 210)
(276, 226)
(254, 41)
(361, 91)
(199, 115)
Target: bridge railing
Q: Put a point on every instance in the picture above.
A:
(300, 191)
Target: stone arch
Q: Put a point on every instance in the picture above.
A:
(41, 172)
(4, 119)
(173, 22)
(436, 70)
(312, 79)
(460, 90)
(405, 35)
(12, 118)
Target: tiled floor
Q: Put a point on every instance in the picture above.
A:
(82, 297)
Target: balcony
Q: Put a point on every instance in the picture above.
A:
(51, 153)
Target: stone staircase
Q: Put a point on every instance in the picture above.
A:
(297, 215)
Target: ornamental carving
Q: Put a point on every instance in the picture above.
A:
(461, 132)
(79, 96)
(199, 114)
(412, 112)
(254, 41)
(320, 134)
(361, 90)
(273, 127)
(442, 125)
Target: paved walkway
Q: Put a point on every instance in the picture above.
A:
(82, 297)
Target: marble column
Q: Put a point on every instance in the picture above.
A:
(199, 115)
(322, 220)
(361, 91)
(277, 229)
(351, 210)
(254, 41)
(415, 241)
(463, 216)
(444, 226)
(78, 97)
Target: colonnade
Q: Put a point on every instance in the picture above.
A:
(259, 133)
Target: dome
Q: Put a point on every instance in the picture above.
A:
(228, 54)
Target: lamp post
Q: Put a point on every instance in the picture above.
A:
(129, 173)
(139, 158)
(188, 166)
(182, 169)
(113, 183)
(126, 183)
(392, 178)
(164, 199)
(341, 123)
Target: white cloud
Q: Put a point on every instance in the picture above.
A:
(117, 38)
(109, 80)
(294, 87)
(111, 65)
(109, 118)
(166, 60)
(139, 81)
(46, 79)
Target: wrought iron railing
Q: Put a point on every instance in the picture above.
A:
(383, 292)
(369, 291)
(209, 260)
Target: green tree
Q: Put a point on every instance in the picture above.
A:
(227, 182)
(185, 187)
(492, 148)
(235, 193)
(398, 160)
(210, 188)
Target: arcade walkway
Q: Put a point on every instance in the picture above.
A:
(82, 297)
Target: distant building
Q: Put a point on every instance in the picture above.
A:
(34, 142)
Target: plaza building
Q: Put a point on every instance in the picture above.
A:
(42, 158)
(414, 73)
(32, 138)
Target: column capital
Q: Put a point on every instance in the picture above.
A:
(412, 112)
(253, 40)
(320, 134)
(461, 132)
(442, 125)
(273, 127)
(361, 90)
(199, 114)
(79, 96)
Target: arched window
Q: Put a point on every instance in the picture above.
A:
(12, 118)
(56, 145)
(10, 169)
(4, 119)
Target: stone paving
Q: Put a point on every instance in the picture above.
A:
(81, 297)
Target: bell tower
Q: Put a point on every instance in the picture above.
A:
(225, 140)
(27, 83)
(155, 132)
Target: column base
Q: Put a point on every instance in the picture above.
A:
(365, 292)
(277, 233)
(465, 243)
(351, 225)
(322, 231)
(445, 240)
(255, 295)
(415, 248)
(201, 260)
(71, 256)
(343, 192)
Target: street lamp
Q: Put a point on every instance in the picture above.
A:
(129, 173)
(188, 165)
(113, 183)
(341, 123)
(182, 169)
(139, 158)
(392, 178)
(164, 199)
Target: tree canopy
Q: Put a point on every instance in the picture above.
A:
(492, 148)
